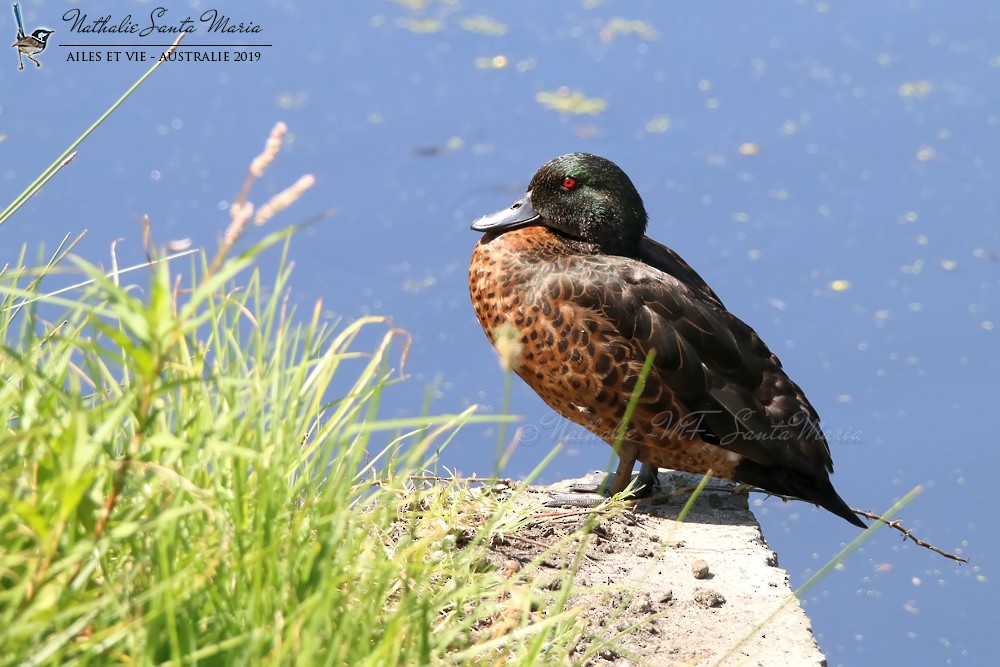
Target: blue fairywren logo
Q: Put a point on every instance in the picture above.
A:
(29, 45)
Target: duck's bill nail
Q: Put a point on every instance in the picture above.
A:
(517, 214)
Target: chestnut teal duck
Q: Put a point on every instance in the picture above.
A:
(568, 267)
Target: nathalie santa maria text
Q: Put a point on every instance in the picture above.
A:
(209, 21)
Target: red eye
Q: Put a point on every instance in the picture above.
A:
(569, 182)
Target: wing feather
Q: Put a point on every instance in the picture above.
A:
(707, 359)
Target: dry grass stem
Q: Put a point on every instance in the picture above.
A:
(239, 214)
(284, 199)
(271, 148)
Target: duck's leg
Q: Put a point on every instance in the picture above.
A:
(649, 479)
(628, 454)
(611, 485)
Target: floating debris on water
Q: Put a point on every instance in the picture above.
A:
(496, 62)
(484, 25)
(916, 89)
(840, 285)
(658, 124)
(618, 27)
(571, 101)
(421, 26)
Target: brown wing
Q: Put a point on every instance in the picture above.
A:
(711, 362)
(666, 260)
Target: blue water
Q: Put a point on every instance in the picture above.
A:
(859, 236)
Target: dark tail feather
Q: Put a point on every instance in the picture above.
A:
(20, 21)
(834, 503)
(812, 488)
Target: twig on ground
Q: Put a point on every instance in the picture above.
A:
(908, 534)
(896, 524)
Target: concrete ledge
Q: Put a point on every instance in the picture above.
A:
(707, 583)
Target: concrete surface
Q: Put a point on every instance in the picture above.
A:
(707, 591)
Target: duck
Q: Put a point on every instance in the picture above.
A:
(606, 323)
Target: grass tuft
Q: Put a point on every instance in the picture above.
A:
(190, 472)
